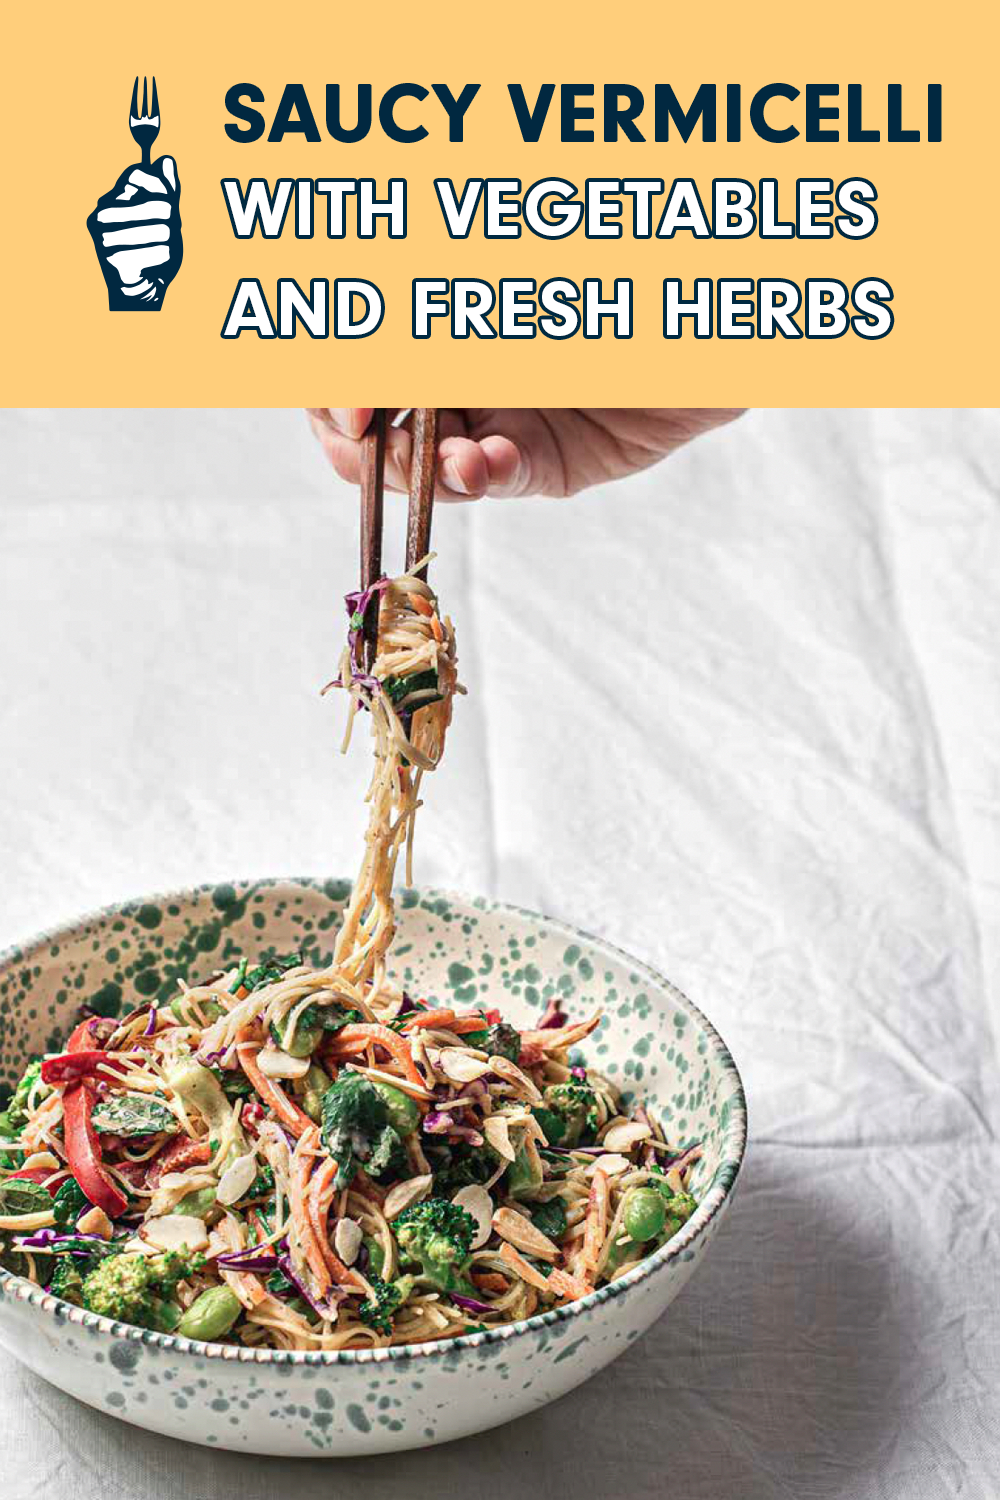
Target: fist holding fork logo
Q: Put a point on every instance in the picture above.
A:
(136, 227)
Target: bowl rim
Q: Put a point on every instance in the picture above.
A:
(734, 1144)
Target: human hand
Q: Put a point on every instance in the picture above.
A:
(136, 229)
(550, 450)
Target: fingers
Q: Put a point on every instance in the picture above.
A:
(467, 470)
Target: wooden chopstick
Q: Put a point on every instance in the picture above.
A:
(423, 471)
(372, 484)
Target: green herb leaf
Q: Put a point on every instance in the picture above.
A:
(550, 1218)
(124, 1114)
(69, 1203)
(400, 688)
(355, 1128)
(270, 973)
(333, 1019)
(19, 1196)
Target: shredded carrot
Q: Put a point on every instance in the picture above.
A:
(555, 1037)
(436, 630)
(321, 1192)
(288, 1113)
(390, 1040)
(462, 1024)
(365, 1188)
(420, 604)
(302, 1160)
(445, 1020)
(491, 1281)
(423, 1018)
(248, 1287)
(595, 1225)
(338, 1048)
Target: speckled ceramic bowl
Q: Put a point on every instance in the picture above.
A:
(653, 1041)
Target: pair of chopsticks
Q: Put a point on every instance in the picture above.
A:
(423, 468)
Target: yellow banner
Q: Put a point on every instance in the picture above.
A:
(653, 205)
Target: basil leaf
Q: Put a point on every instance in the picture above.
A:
(271, 972)
(124, 1114)
(69, 1203)
(332, 1019)
(356, 1129)
(550, 1218)
(400, 688)
(19, 1195)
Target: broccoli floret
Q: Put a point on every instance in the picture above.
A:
(575, 1107)
(500, 1040)
(458, 1166)
(386, 1299)
(437, 1235)
(67, 1280)
(17, 1109)
(138, 1288)
(680, 1206)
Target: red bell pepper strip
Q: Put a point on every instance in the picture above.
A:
(180, 1153)
(75, 1067)
(83, 1149)
(40, 1175)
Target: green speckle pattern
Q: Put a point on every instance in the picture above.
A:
(450, 950)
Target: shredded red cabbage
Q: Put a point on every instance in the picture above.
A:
(552, 1016)
(577, 1150)
(51, 1239)
(470, 1304)
(357, 607)
(150, 1026)
(325, 1309)
(253, 1258)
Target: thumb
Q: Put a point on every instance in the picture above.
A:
(167, 169)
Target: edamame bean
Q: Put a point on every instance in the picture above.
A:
(376, 1254)
(197, 1203)
(183, 1009)
(316, 1084)
(404, 1115)
(211, 1315)
(300, 1043)
(645, 1214)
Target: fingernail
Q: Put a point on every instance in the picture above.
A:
(453, 478)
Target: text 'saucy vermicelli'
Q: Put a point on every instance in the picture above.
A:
(309, 1158)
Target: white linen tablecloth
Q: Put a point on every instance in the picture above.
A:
(740, 714)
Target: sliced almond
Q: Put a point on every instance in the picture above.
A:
(519, 1231)
(403, 1084)
(40, 1161)
(611, 1166)
(138, 1247)
(461, 1067)
(237, 1179)
(511, 1073)
(347, 1240)
(477, 1202)
(496, 1128)
(95, 1221)
(176, 1232)
(405, 1193)
(274, 1063)
(624, 1135)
